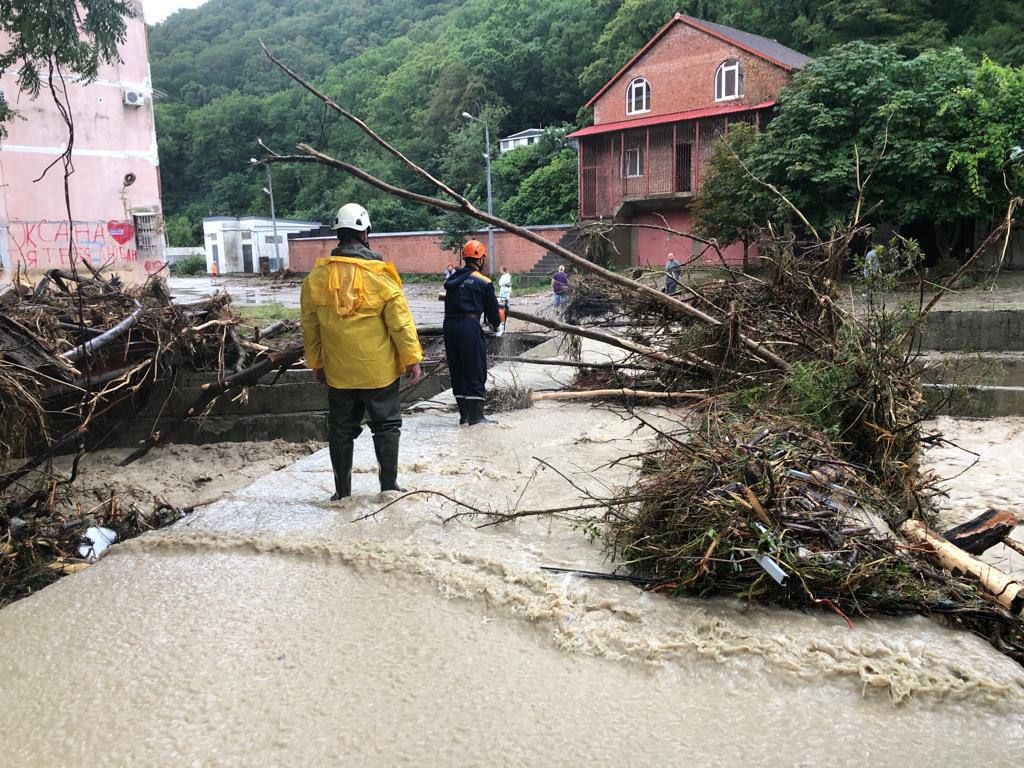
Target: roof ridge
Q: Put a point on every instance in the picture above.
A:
(763, 47)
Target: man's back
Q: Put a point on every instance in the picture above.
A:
(356, 323)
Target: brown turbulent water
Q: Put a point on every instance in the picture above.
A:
(270, 629)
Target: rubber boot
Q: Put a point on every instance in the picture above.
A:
(341, 462)
(463, 414)
(476, 413)
(385, 445)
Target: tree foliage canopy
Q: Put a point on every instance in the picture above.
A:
(58, 37)
(411, 67)
(929, 136)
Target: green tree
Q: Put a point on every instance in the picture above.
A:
(732, 206)
(866, 109)
(181, 232)
(456, 229)
(59, 37)
(546, 196)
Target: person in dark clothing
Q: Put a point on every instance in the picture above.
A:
(673, 271)
(468, 294)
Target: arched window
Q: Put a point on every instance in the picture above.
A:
(638, 96)
(729, 80)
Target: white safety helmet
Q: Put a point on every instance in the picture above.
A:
(352, 216)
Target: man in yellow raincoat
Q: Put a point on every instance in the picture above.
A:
(360, 338)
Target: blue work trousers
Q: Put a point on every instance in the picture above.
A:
(466, 349)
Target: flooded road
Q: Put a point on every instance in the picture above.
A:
(274, 628)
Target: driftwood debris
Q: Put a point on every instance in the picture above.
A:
(624, 392)
(983, 532)
(1006, 590)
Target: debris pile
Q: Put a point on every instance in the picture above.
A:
(770, 513)
(81, 356)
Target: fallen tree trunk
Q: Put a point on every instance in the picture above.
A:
(689, 361)
(586, 366)
(640, 394)
(460, 204)
(982, 532)
(1006, 591)
(73, 355)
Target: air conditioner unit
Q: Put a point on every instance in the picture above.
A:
(134, 98)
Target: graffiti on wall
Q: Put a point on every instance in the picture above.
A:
(42, 245)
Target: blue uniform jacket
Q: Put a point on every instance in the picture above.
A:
(470, 292)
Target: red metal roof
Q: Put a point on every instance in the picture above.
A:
(675, 117)
(769, 50)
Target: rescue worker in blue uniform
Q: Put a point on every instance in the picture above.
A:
(468, 294)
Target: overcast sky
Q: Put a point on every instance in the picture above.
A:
(158, 10)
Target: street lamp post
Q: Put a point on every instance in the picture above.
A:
(269, 189)
(490, 199)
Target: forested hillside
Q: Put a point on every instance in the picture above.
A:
(411, 67)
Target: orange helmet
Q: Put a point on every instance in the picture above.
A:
(474, 249)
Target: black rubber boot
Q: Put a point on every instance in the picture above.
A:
(385, 445)
(476, 413)
(463, 416)
(341, 462)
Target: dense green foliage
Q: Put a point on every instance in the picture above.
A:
(931, 136)
(411, 67)
(732, 205)
(55, 37)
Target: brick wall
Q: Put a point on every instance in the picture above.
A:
(650, 247)
(421, 252)
(681, 69)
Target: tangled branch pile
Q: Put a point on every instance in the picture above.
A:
(789, 484)
(770, 513)
(80, 358)
(776, 344)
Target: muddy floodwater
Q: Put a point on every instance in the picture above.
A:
(273, 628)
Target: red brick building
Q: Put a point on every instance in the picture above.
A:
(656, 120)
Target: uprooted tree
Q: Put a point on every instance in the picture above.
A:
(788, 480)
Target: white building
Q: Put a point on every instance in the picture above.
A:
(242, 244)
(521, 139)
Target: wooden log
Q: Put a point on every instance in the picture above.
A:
(1004, 589)
(982, 532)
(640, 394)
(686, 361)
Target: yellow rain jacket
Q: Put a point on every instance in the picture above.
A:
(356, 323)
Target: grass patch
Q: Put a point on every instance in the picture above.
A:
(266, 313)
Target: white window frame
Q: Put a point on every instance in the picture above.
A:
(632, 163)
(638, 84)
(734, 66)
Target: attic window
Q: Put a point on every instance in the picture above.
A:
(729, 81)
(638, 96)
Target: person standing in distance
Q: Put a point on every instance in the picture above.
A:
(468, 294)
(559, 285)
(360, 338)
(673, 271)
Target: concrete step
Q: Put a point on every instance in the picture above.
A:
(1000, 369)
(978, 402)
(997, 330)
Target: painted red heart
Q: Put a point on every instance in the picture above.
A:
(121, 231)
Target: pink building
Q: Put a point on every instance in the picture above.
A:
(115, 189)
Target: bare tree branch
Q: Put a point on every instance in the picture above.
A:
(464, 206)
